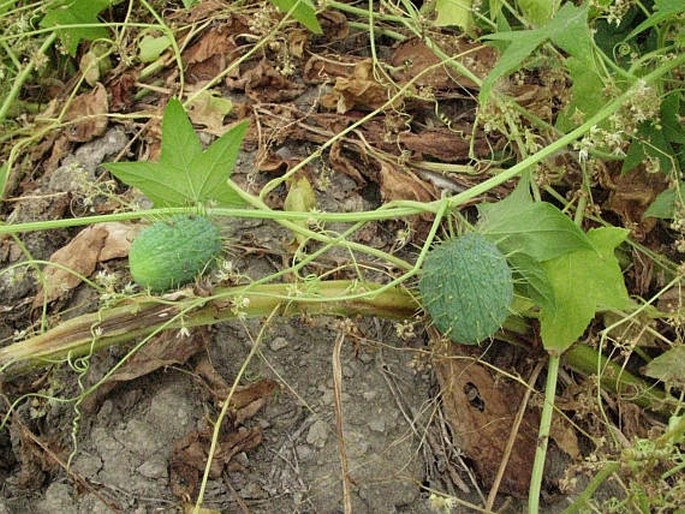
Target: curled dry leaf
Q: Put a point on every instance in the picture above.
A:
(209, 109)
(401, 184)
(334, 25)
(122, 90)
(191, 452)
(320, 69)
(297, 42)
(263, 83)
(88, 115)
(343, 163)
(97, 243)
(166, 349)
(212, 53)
(190, 456)
(631, 195)
(359, 91)
(445, 145)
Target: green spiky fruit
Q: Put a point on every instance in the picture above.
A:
(467, 288)
(171, 253)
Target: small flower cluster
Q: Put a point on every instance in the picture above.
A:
(615, 11)
(227, 273)
(406, 330)
(108, 283)
(678, 225)
(263, 21)
(643, 106)
(239, 305)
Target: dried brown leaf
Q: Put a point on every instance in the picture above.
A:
(96, 243)
(412, 57)
(445, 145)
(88, 114)
(211, 54)
(320, 69)
(481, 412)
(342, 163)
(402, 184)
(564, 435)
(121, 90)
(166, 349)
(631, 195)
(209, 109)
(264, 83)
(297, 42)
(334, 25)
(360, 91)
(190, 455)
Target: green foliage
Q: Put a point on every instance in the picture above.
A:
(538, 12)
(669, 367)
(301, 10)
(186, 175)
(584, 282)
(6, 5)
(150, 47)
(666, 204)
(76, 12)
(587, 96)
(454, 13)
(568, 30)
(661, 140)
(173, 252)
(467, 288)
(4, 174)
(569, 275)
(663, 11)
(537, 229)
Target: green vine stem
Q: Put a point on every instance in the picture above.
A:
(144, 315)
(23, 77)
(543, 434)
(581, 502)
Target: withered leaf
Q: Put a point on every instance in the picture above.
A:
(88, 114)
(122, 90)
(340, 162)
(190, 456)
(334, 25)
(360, 91)
(481, 412)
(402, 184)
(166, 349)
(445, 145)
(631, 194)
(322, 69)
(412, 57)
(209, 109)
(211, 54)
(301, 198)
(263, 83)
(97, 243)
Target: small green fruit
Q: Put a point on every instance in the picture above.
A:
(171, 253)
(467, 288)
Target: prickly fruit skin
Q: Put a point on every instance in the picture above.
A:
(171, 253)
(467, 288)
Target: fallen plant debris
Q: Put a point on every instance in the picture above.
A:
(335, 148)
